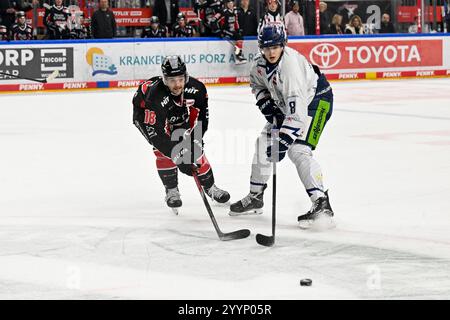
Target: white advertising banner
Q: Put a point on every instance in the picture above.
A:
(125, 62)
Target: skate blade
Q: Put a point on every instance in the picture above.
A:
(174, 211)
(245, 213)
(319, 224)
(241, 62)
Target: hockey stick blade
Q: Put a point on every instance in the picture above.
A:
(235, 235)
(52, 76)
(266, 241)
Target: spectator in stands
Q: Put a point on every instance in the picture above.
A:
(355, 26)
(346, 10)
(103, 23)
(294, 21)
(8, 9)
(336, 25)
(166, 11)
(325, 18)
(247, 19)
(414, 28)
(386, 25)
(273, 14)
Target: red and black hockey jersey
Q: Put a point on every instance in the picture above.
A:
(158, 114)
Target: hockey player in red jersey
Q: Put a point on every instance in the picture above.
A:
(21, 30)
(208, 12)
(155, 30)
(181, 29)
(56, 20)
(3, 33)
(172, 113)
(230, 29)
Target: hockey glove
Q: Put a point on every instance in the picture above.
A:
(269, 109)
(277, 151)
(188, 156)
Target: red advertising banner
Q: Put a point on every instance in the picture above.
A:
(407, 14)
(372, 54)
(125, 17)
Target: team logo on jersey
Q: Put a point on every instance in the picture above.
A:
(325, 55)
(191, 90)
(165, 101)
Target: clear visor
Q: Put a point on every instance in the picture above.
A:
(267, 50)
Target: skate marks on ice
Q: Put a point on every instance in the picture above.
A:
(116, 259)
(375, 265)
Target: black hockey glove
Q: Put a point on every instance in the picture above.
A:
(226, 34)
(188, 155)
(277, 151)
(269, 109)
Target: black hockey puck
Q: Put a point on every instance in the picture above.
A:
(306, 282)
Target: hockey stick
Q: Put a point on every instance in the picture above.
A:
(51, 77)
(239, 234)
(261, 239)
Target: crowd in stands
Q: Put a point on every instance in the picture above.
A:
(223, 18)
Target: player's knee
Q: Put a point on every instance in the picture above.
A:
(299, 153)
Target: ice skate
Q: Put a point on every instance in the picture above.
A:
(217, 194)
(250, 205)
(240, 59)
(173, 199)
(320, 217)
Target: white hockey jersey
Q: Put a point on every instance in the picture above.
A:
(270, 18)
(292, 84)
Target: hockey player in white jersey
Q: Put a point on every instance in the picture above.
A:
(297, 99)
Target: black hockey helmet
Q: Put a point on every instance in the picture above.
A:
(173, 66)
(181, 16)
(226, 2)
(20, 14)
(154, 19)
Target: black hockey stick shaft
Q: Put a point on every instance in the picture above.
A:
(239, 234)
(274, 199)
(261, 239)
(24, 78)
(53, 75)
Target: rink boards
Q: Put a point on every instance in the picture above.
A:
(97, 64)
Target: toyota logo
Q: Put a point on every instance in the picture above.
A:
(325, 55)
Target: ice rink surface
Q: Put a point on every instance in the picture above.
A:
(82, 211)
